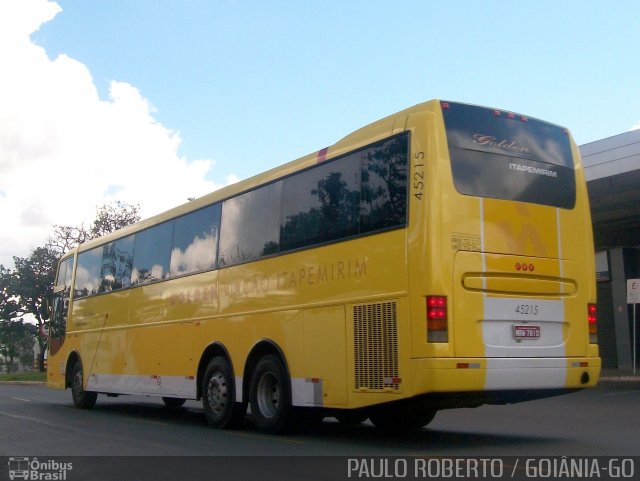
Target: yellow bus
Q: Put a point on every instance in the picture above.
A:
(441, 257)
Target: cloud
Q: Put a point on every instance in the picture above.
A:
(636, 127)
(64, 151)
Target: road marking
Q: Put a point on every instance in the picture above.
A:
(157, 423)
(21, 399)
(32, 419)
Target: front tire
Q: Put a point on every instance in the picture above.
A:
(219, 396)
(81, 399)
(269, 396)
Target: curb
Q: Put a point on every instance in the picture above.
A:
(24, 383)
(620, 379)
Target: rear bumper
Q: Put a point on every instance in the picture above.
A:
(503, 374)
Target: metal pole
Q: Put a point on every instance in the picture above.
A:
(634, 339)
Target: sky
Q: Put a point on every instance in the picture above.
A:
(152, 102)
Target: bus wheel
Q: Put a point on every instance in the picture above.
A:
(218, 396)
(173, 402)
(269, 396)
(410, 417)
(81, 398)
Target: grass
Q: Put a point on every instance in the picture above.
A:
(24, 376)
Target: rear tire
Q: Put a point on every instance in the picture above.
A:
(219, 396)
(81, 399)
(173, 402)
(270, 398)
(350, 417)
(402, 416)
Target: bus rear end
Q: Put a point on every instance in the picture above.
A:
(509, 291)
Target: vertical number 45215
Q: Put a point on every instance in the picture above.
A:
(418, 175)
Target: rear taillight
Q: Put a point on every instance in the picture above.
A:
(437, 319)
(592, 322)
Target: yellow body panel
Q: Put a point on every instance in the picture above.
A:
(313, 303)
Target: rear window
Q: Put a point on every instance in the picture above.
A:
(508, 156)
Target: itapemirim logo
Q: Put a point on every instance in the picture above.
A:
(37, 470)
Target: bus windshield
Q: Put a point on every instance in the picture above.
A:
(508, 156)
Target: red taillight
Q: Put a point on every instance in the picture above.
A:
(436, 308)
(437, 325)
(592, 322)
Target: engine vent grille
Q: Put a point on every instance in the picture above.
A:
(376, 346)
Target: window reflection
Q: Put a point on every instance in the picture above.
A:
(195, 241)
(361, 192)
(321, 204)
(117, 260)
(250, 225)
(88, 272)
(105, 268)
(384, 185)
(152, 254)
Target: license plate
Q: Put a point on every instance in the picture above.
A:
(526, 332)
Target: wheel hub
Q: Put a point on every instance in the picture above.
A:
(217, 393)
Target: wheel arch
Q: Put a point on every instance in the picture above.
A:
(260, 349)
(73, 358)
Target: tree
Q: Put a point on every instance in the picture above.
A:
(33, 286)
(9, 310)
(16, 341)
(109, 218)
(114, 216)
(28, 288)
(9, 307)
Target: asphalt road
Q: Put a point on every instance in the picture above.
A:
(37, 421)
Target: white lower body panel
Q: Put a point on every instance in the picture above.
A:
(525, 373)
(166, 386)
